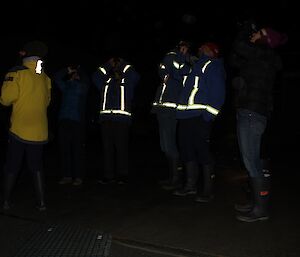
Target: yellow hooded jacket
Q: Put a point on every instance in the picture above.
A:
(28, 89)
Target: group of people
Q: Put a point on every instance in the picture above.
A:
(190, 96)
(27, 88)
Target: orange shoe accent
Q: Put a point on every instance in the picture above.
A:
(263, 193)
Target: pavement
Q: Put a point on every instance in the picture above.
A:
(145, 220)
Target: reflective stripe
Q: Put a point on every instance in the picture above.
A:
(126, 68)
(102, 70)
(162, 92)
(39, 67)
(162, 66)
(166, 104)
(116, 112)
(176, 65)
(184, 79)
(122, 98)
(194, 91)
(205, 66)
(104, 97)
(210, 109)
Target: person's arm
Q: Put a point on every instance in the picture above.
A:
(59, 78)
(10, 89)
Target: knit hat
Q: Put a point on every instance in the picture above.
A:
(35, 48)
(212, 47)
(274, 38)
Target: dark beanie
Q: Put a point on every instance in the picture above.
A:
(274, 38)
(35, 48)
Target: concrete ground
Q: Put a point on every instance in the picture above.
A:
(145, 220)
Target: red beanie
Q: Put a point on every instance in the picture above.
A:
(213, 47)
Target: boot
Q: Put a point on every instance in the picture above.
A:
(8, 185)
(261, 196)
(208, 184)
(38, 182)
(190, 188)
(175, 176)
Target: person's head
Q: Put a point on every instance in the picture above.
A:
(269, 37)
(209, 49)
(34, 48)
(73, 72)
(183, 47)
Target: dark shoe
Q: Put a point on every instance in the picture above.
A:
(185, 192)
(122, 181)
(243, 207)
(77, 182)
(65, 180)
(204, 199)
(105, 181)
(41, 207)
(6, 206)
(171, 186)
(252, 217)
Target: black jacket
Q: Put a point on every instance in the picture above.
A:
(257, 66)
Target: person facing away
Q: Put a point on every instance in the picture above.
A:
(200, 101)
(73, 84)
(116, 81)
(172, 70)
(257, 64)
(27, 88)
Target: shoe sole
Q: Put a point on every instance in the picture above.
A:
(252, 220)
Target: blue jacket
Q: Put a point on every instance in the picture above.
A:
(116, 91)
(172, 71)
(203, 92)
(74, 96)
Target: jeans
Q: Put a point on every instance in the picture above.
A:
(250, 128)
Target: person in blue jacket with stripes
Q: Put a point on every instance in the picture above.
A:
(200, 101)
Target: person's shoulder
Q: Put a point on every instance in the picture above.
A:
(18, 68)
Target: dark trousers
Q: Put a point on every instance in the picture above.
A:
(72, 148)
(194, 140)
(115, 143)
(17, 151)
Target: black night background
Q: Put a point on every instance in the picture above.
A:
(88, 33)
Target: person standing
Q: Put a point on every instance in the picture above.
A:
(173, 69)
(116, 81)
(257, 63)
(200, 101)
(73, 84)
(27, 88)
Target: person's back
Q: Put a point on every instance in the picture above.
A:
(27, 89)
(258, 65)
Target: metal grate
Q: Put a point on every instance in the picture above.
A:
(66, 241)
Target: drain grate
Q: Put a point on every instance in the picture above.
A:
(66, 241)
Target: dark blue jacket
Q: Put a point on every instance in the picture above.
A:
(116, 91)
(172, 71)
(74, 95)
(203, 92)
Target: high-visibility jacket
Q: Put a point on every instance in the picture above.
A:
(172, 71)
(116, 91)
(28, 89)
(203, 92)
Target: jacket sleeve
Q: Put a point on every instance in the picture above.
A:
(10, 89)
(216, 84)
(59, 78)
(101, 75)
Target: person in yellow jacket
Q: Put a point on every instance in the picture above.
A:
(26, 88)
